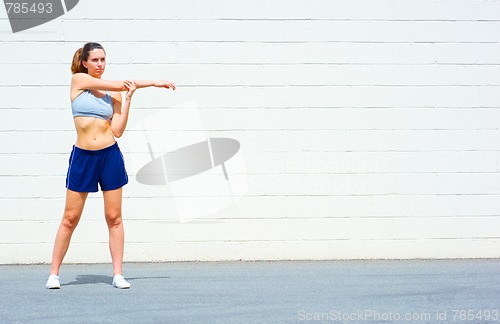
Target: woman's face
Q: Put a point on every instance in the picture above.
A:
(96, 63)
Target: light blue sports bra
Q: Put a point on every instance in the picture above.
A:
(86, 104)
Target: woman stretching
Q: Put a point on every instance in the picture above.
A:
(99, 115)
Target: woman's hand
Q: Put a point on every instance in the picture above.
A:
(131, 87)
(164, 84)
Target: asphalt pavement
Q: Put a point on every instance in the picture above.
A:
(374, 291)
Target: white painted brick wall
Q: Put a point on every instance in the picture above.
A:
(368, 129)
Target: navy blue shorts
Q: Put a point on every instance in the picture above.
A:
(88, 168)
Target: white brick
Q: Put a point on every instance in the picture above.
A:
(35, 74)
(37, 142)
(170, 52)
(34, 164)
(360, 123)
(33, 97)
(314, 74)
(344, 118)
(372, 162)
(467, 53)
(373, 184)
(298, 9)
(287, 31)
(26, 119)
(268, 250)
(427, 206)
(315, 229)
(264, 230)
(48, 32)
(362, 140)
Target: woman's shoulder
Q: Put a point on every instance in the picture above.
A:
(79, 76)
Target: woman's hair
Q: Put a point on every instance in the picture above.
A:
(82, 54)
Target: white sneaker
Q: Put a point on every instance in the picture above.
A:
(120, 282)
(53, 282)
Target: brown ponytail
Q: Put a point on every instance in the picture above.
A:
(82, 54)
(76, 65)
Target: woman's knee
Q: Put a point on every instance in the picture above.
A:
(113, 218)
(70, 219)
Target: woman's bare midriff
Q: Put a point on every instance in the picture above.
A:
(93, 133)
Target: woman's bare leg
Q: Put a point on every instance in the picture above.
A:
(75, 201)
(113, 214)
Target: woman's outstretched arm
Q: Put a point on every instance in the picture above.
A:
(155, 83)
(83, 81)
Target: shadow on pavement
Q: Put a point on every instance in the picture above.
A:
(97, 279)
(89, 279)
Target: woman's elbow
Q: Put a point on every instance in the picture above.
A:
(117, 132)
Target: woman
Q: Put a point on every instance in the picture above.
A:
(99, 115)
